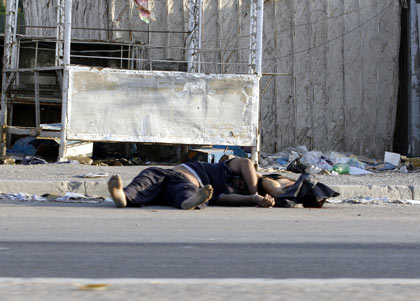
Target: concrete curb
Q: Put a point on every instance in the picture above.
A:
(99, 188)
(391, 192)
(93, 188)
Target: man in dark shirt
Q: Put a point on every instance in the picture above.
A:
(191, 185)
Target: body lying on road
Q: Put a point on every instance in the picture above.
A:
(234, 182)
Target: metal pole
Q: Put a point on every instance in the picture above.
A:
(59, 52)
(200, 14)
(255, 61)
(189, 45)
(259, 38)
(194, 36)
(67, 31)
(8, 62)
(62, 153)
(10, 33)
(252, 36)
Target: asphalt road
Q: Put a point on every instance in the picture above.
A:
(209, 260)
(97, 241)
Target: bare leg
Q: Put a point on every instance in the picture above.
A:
(115, 187)
(203, 195)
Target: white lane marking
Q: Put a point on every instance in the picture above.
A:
(230, 281)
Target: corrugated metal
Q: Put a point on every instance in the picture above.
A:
(342, 56)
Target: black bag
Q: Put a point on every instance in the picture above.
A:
(306, 191)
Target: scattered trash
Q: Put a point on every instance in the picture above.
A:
(21, 196)
(412, 162)
(300, 160)
(93, 287)
(296, 166)
(81, 159)
(382, 166)
(32, 160)
(373, 201)
(392, 158)
(93, 175)
(69, 197)
(358, 171)
(23, 147)
(8, 161)
(341, 168)
(31, 146)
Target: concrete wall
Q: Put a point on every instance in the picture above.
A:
(342, 57)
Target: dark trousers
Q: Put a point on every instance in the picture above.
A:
(159, 186)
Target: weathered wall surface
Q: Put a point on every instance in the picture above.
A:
(162, 107)
(341, 57)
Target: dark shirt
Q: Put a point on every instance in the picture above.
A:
(219, 175)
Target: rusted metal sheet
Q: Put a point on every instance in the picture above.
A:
(161, 107)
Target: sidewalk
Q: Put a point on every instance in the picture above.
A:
(61, 178)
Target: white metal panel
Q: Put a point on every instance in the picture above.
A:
(161, 107)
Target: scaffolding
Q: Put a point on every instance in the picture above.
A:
(47, 84)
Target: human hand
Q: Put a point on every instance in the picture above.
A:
(265, 201)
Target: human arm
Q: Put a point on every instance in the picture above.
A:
(246, 169)
(245, 200)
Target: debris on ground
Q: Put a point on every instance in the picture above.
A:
(373, 201)
(300, 159)
(93, 175)
(69, 197)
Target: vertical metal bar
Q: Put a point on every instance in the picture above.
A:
(121, 56)
(4, 100)
(255, 60)
(189, 54)
(259, 37)
(36, 54)
(62, 153)
(59, 46)
(37, 103)
(9, 41)
(14, 60)
(252, 36)
(67, 31)
(130, 62)
(194, 36)
(17, 74)
(200, 15)
(10, 33)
